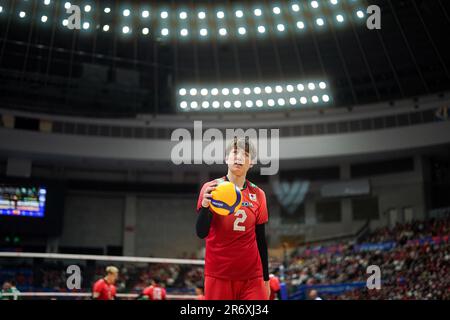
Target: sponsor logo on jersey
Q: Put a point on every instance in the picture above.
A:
(252, 196)
(247, 204)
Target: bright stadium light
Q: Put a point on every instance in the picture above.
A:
(247, 91)
(145, 14)
(311, 86)
(271, 102)
(322, 85)
(194, 104)
(334, 2)
(295, 8)
(303, 100)
(257, 12)
(279, 89)
(216, 104)
(280, 27)
(360, 14)
(261, 29)
(204, 92)
(325, 98)
(268, 89)
(125, 29)
(22, 14)
(300, 25)
(201, 15)
(225, 91)
(314, 4)
(184, 32)
(223, 31)
(214, 91)
(320, 21)
(292, 101)
(227, 104)
(47, 2)
(87, 8)
(182, 92)
(145, 31)
(236, 91)
(164, 31)
(183, 15)
(203, 32)
(65, 22)
(126, 12)
(67, 5)
(249, 103)
(107, 10)
(220, 14)
(340, 18)
(164, 15)
(237, 104)
(290, 88)
(205, 104)
(1, 9)
(300, 87)
(239, 13)
(281, 102)
(183, 104)
(86, 25)
(106, 28)
(242, 30)
(257, 90)
(315, 99)
(44, 19)
(193, 92)
(259, 103)
(276, 10)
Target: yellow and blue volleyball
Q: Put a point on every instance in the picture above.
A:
(226, 199)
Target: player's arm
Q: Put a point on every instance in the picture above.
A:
(205, 216)
(96, 290)
(262, 248)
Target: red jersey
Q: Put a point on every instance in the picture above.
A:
(274, 284)
(231, 248)
(107, 291)
(155, 293)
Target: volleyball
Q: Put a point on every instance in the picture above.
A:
(226, 199)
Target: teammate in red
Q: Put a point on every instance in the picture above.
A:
(155, 291)
(200, 292)
(236, 263)
(104, 288)
(274, 283)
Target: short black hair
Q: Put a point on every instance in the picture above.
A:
(157, 280)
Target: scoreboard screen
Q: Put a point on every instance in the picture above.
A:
(24, 201)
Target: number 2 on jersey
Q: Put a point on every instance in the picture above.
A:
(241, 216)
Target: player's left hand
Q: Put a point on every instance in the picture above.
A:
(267, 285)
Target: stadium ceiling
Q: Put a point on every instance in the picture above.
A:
(121, 62)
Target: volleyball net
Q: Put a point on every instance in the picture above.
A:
(51, 276)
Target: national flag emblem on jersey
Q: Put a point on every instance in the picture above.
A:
(252, 196)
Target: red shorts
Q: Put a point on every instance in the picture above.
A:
(219, 289)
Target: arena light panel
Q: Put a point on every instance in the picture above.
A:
(255, 96)
(221, 20)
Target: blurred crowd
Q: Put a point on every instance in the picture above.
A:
(411, 270)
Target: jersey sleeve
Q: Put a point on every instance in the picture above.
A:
(263, 214)
(98, 287)
(163, 295)
(146, 291)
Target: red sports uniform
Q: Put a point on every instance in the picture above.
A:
(155, 293)
(274, 283)
(107, 291)
(233, 269)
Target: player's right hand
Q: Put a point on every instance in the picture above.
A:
(206, 201)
